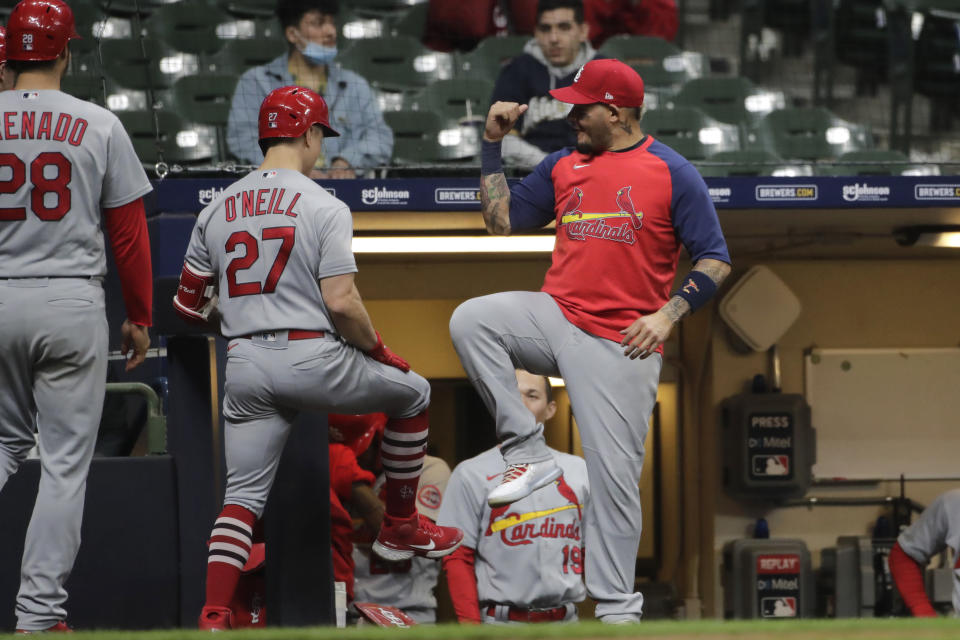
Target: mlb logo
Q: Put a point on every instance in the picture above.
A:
(771, 465)
(778, 607)
(272, 119)
(269, 174)
(29, 95)
(27, 42)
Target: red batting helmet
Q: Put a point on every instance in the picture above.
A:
(356, 431)
(289, 111)
(3, 46)
(39, 30)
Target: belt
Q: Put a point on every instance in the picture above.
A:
(516, 614)
(292, 334)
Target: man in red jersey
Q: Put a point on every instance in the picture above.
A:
(623, 204)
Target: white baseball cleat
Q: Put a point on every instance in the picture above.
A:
(520, 480)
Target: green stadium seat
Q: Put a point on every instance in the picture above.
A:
(85, 87)
(659, 63)
(808, 133)
(424, 137)
(458, 99)
(383, 6)
(352, 26)
(250, 29)
(85, 15)
(189, 26)
(238, 55)
(731, 100)
(875, 162)
(411, 22)
(249, 8)
(397, 63)
(179, 141)
(132, 7)
(204, 98)
(750, 163)
(103, 92)
(490, 56)
(145, 63)
(690, 132)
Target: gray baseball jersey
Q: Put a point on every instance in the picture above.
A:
(528, 554)
(937, 528)
(266, 241)
(61, 161)
(407, 585)
(271, 236)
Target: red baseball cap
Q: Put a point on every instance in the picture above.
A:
(608, 81)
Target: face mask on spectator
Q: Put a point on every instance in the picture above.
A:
(318, 54)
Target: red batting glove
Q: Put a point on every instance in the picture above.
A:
(382, 353)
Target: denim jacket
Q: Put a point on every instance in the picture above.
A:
(365, 139)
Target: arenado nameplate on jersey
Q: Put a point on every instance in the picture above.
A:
(768, 446)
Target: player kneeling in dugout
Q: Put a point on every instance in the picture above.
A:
(521, 562)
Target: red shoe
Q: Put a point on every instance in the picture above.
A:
(60, 627)
(403, 538)
(215, 619)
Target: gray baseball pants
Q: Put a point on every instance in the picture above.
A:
(53, 370)
(270, 380)
(612, 398)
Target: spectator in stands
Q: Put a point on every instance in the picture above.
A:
(310, 29)
(549, 61)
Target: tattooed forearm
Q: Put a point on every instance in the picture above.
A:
(676, 308)
(716, 270)
(495, 203)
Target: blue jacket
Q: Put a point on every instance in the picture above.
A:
(365, 139)
(528, 79)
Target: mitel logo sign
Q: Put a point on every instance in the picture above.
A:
(456, 196)
(382, 195)
(865, 192)
(937, 191)
(206, 196)
(786, 192)
(720, 195)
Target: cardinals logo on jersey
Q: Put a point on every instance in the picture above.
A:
(580, 225)
(516, 529)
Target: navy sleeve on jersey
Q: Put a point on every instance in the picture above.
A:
(532, 200)
(694, 216)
